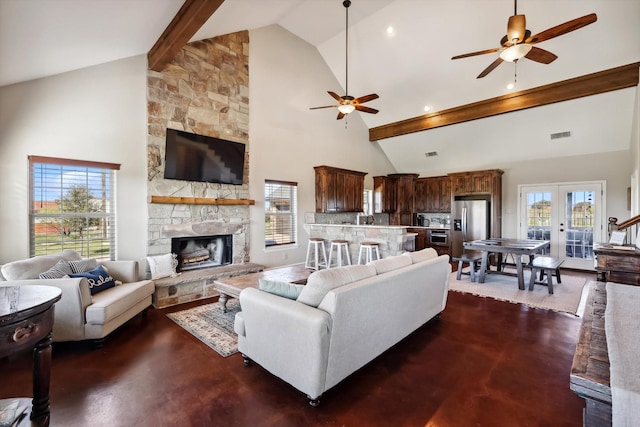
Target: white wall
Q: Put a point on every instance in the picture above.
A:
(287, 76)
(612, 167)
(97, 114)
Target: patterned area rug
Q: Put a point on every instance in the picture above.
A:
(211, 326)
(567, 296)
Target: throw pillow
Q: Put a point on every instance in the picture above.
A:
(83, 265)
(283, 289)
(98, 278)
(58, 271)
(162, 266)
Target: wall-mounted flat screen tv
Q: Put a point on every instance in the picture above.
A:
(191, 157)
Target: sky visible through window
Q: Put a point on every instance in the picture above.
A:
(49, 181)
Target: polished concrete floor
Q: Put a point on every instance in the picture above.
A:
(484, 363)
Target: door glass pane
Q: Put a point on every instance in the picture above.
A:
(539, 215)
(579, 221)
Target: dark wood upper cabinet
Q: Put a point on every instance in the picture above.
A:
(384, 194)
(432, 194)
(403, 214)
(339, 190)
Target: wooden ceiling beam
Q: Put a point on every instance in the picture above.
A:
(591, 84)
(191, 16)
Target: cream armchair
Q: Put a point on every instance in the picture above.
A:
(80, 315)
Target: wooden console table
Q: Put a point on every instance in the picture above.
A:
(589, 377)
(617, 265)
(26, 321)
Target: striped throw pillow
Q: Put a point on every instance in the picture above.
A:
(58, 271)
(83, 265)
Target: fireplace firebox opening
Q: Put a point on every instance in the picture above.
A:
(194, 252)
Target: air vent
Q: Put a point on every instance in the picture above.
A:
(559, 135)
(431, 154)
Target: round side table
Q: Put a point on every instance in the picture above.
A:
(26, 322)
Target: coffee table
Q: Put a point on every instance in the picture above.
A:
(232, 286)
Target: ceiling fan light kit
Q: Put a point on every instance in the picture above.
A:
(515, 52)
(518, 43)
(348, 104)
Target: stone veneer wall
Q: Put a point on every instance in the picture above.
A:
(204, 90)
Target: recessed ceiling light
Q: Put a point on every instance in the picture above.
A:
(390, 30)
(427, 108)
(511, 85)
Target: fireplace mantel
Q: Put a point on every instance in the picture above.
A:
(176, 200)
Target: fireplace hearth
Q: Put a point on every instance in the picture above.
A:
(195, 252)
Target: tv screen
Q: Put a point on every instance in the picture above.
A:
(191, 157)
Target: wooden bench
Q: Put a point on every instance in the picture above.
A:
(546, 265)
(474, 264)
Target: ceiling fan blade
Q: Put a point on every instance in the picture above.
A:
(516, 29)
(367, 98)
(490, 68)
(326, 106)
(561, 29)
(482, 52)
(335, 96)
(340, 115)
(366, 109)
(540, 55)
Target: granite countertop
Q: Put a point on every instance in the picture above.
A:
(431, 227)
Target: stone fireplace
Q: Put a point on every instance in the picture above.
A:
(203, 90)
(195, 252)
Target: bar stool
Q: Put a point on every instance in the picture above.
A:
(316, 248)
(339, 245)
(367, 249)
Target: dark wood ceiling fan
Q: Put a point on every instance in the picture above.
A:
(519, 43)
(347, 104)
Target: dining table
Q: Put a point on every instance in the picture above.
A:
(503, 246)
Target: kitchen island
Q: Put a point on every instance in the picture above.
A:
(393, 239)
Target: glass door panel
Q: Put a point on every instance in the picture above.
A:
(568, 215)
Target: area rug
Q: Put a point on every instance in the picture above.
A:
(566, 297)
(211, 326)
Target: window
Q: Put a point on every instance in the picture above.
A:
(72, 206)
(280, 212)
(367, 206)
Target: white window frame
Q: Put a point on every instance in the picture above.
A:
(285, 191)
(91, 230)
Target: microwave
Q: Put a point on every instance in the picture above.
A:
(439, 237)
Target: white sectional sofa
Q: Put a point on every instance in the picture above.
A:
(79, 315)
(342, 319)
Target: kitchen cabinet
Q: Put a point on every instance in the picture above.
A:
(339, 190)
(476, 182)
(432, 194)
(403, 214)
(384, 194)
(421, 237)
(421, 194)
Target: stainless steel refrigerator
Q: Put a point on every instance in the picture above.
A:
(471, 220)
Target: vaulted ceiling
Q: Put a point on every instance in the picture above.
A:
(409, 68)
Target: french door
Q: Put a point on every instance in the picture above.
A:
(569, 215)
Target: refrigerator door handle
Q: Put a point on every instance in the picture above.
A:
(464, 224)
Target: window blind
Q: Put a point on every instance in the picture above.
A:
(281, 212)
(72, 206)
